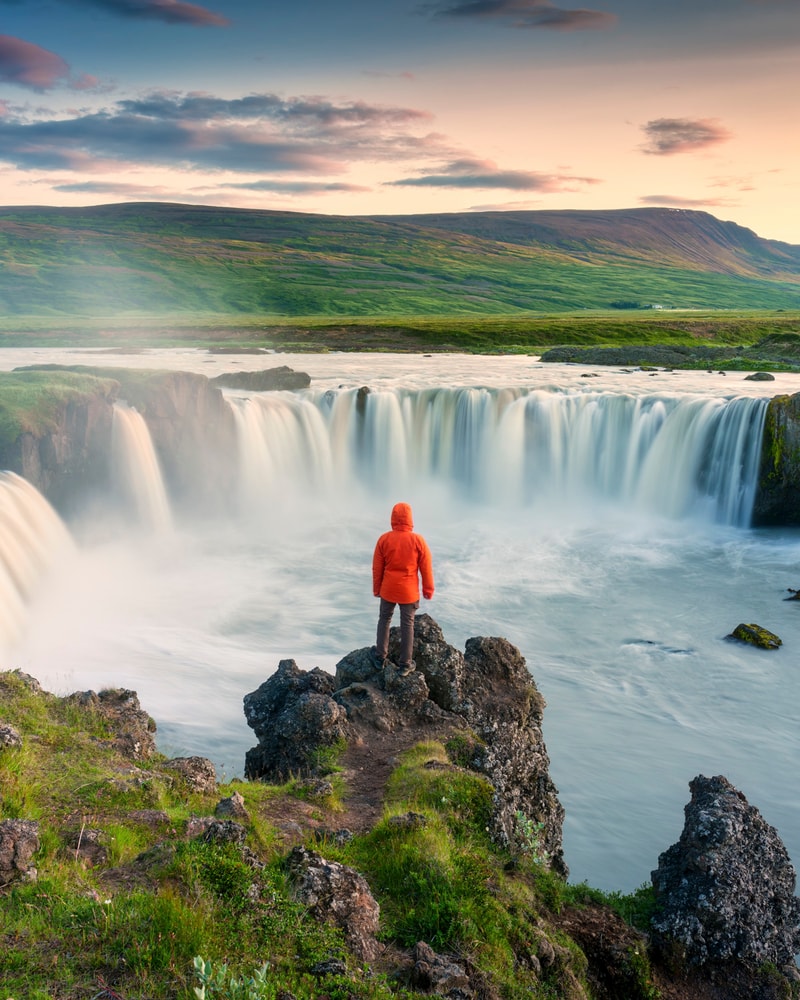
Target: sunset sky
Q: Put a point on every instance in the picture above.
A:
(399, 106)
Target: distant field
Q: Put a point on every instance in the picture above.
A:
(493, 280)
(485, 335)
(142, 274)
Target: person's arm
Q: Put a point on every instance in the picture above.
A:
(426, 569)
(378, 567)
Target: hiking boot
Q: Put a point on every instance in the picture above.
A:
(404, 669)
(377, 660)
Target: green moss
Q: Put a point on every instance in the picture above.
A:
(33, 402)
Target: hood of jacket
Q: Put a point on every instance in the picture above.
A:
(402, 519)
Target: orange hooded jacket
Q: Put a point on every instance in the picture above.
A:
(400, 558)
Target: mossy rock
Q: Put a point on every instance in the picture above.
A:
(756, 636)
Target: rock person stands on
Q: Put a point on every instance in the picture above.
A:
(401, 557)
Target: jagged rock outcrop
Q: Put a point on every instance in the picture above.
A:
(777, 499)
(9, 737)
(199, 773)
(19, 841)
(487, 692)
(294, 717)
(68, 456)
(439, 974)
(725, 890)
(269, 379)
(134, 730)
(337, 894)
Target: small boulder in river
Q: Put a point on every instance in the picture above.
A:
(270, 379)
(756, 635)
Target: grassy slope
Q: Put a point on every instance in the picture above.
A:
(130, 924)
(180, 263)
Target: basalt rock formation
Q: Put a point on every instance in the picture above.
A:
(725, 890)
(281, 377)
(191, 426)
(484, 696)
(777, 500)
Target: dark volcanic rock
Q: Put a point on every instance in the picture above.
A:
(134, 730)
(294, 717)
(777, 499)
(198, 772)
(725, 890)
(9, 737)
(19, 841)
(506, 709)
(282, 377)
(487, 690)
(337, 894)
(756, 635)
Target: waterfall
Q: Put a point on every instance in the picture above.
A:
(32, 536)
(675, 456)
(135, 469)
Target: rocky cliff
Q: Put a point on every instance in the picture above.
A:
(119, 868)
(777, 500)
(484, 703)
(67, 455)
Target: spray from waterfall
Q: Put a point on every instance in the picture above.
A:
(670, 455)
(135, 470)
(32, 538)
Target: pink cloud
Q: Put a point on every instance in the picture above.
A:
(667, 136)
(30, 65)
(673, 201)
(474, 173)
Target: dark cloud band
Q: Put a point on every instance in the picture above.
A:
(524, 14)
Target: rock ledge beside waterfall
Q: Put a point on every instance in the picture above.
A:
(443, 777)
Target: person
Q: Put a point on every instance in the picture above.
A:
(401, 557)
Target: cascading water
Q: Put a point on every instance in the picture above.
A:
(135, 469)
(674, 456)
(32, 537)
(602, 532)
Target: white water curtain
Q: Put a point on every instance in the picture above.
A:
(675, 456)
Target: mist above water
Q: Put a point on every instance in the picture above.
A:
(589, 522)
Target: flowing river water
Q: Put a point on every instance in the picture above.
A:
(596, 518)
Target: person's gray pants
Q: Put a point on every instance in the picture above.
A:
(407, 612)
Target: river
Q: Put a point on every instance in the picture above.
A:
(565, 511)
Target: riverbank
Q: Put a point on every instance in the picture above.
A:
(127, 874)
(529, 334)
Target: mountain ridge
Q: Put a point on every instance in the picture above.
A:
(157, 258)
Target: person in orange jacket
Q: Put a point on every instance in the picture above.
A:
(401, 557)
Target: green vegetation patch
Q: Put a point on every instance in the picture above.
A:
(34, 401)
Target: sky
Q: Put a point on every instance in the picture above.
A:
(379, 107)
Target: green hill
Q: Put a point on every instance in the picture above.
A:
(167, 260)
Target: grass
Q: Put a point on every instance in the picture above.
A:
(34, 402)
(528, 333)
(143, 263)
(169, 916)
(164, 914)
